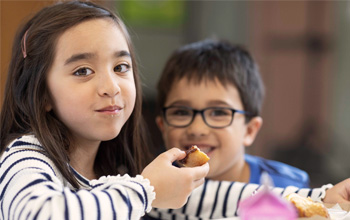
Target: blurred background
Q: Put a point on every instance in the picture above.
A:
(301, 47)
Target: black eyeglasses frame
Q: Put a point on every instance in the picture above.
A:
(196, 111)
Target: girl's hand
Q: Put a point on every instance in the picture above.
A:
(172, 184)
(339, 193)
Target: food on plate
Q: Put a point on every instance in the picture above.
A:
(194, 157)
(306, 207)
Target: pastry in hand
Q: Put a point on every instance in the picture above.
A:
(194, 157)
(306, 207)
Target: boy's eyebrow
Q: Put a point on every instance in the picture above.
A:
(211, 103)
(86, 56)
(179, 102)
(218, 102)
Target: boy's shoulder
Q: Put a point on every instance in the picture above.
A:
(282, 174)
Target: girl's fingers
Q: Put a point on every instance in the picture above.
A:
(200, 171)
(198, 182)
(174, 154)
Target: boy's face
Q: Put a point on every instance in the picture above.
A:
(224, 146)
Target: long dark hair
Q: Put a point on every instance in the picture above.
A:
(27, 94)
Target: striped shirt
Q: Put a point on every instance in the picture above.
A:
(31, 187)
(220, 199)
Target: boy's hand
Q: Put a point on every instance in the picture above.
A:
(173, 185)
(339, 193)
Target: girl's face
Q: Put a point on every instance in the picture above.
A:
(224, 146)
(91, 81)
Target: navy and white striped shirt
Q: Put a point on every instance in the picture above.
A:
(220, 199)
(31, 187)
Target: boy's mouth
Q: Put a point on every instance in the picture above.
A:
(204, 148)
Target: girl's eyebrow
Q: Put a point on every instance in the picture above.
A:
(80, 56)
(87, 56)
(122, 53)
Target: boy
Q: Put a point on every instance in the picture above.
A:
(221, 83)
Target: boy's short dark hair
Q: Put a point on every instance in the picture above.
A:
(215, 59)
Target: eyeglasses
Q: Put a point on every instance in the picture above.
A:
(214, 117)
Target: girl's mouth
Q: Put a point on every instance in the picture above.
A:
(110, 109)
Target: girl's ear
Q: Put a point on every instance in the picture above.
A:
(252, 130)
(48, 107)
(160, 123)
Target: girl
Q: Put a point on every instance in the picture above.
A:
(71, 124)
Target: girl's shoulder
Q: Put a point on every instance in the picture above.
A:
(25, 142)
(26, 147)
(26, 152)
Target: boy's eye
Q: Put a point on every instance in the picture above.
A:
(181, 112)
(122, 68)
(83, 72)
(220, 112)
(174, 111)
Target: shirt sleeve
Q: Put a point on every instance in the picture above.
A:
(220, 199)
(31, 188)
(282, 175)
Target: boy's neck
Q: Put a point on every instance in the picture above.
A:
(239, 174)
(245, 174)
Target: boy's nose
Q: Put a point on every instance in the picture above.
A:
(198, 127)
(108, 85)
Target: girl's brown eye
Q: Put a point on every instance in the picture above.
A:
(122, 68)
(83, 72)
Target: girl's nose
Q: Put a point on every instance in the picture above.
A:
(108, 85)
(198, 127)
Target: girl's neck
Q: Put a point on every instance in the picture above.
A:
(82, 159)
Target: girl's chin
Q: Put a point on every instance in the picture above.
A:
(109, 136)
